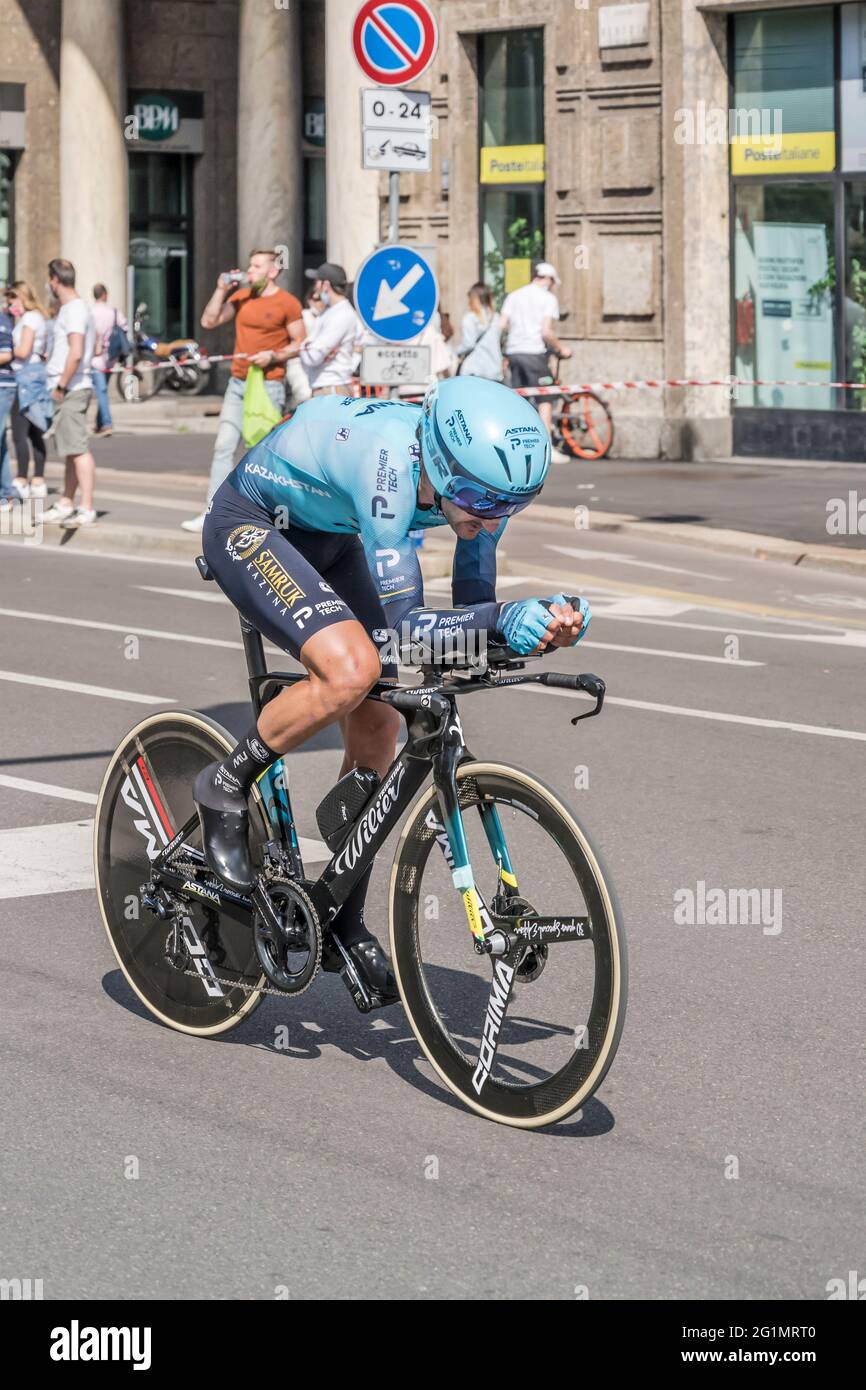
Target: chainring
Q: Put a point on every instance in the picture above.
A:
(300, 936)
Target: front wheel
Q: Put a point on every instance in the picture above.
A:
(539, 1055)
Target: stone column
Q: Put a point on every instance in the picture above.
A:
(94, 196)
(352, 192)
(270, 167)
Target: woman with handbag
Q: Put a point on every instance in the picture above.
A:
(480, 350)
(112, 342)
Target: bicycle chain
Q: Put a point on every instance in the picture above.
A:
(268, 874)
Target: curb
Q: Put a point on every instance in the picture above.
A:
(749, 543)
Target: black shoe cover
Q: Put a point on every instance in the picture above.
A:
(224, 832)
(374, 967)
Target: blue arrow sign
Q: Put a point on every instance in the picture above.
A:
(396, 293)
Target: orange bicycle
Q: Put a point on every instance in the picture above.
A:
(582, 422)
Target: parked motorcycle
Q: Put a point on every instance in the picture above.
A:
(180, 365)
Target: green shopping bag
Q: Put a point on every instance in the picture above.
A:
(260, 413)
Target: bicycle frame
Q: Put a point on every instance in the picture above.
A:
(435, 743)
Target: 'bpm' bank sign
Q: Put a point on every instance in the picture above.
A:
(166, 121)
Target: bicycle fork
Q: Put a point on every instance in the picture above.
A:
(487, 937)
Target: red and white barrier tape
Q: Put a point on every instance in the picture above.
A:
(571, 388)
(574, 387)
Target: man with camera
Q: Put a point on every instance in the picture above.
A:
(269, 330)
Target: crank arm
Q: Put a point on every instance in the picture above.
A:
(357, 987)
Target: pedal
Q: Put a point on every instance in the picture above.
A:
(362, 997)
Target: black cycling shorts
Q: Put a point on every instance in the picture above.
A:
(529, 368)
(290, 583)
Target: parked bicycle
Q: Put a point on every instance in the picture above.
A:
(179, 365)
(520, 1014)
(582, 422)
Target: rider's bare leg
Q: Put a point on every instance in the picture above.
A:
(342, 664)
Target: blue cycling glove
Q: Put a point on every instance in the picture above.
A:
(524, 623)
(580, 606)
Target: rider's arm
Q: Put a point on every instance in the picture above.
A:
(393, 560)
(473, 576)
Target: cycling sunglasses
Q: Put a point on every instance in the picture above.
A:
(482, 502)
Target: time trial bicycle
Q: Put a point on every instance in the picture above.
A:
(506, 939)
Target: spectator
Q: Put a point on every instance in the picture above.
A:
(106, 318)
(70, 384)
(7, 397)
(296, 376)
(313, 306)
(269, 330)
(33, 410)
(480, 348)
(328, 354)
(528, 316)
(443, 362)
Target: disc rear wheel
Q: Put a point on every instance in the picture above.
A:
(201, 975)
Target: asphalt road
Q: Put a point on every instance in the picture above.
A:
(774, 499)
(723, 1155)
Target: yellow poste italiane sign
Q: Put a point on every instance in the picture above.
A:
(512, 164)
(806, 152)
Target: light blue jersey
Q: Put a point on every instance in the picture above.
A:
(347, 465)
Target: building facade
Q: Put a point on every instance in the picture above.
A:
(696, 172)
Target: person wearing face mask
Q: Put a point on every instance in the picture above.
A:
(328, 354)
(269, 330)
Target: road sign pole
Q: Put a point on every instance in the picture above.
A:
(394, 207)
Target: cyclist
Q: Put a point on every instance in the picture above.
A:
(309, 538)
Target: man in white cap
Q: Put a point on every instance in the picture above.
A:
(528, 316)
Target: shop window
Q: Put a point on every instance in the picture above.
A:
(7, 220)
(512, 156)
(784, 96)
(854, 291)
(314, 210)
(160, 240)
(784, 293)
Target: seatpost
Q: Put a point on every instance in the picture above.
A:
(256, 664)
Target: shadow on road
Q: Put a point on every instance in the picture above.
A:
(299, 1031)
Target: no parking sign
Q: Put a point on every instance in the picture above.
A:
(394, 41)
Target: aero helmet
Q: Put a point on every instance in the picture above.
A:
(484, 447)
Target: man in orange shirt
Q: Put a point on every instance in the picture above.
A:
(269, 330)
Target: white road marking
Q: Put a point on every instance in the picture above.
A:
(46, 859)
(833, 600)
(103, 692)
(709, 714)
(70, 552)
(680, 656)
(58, 858)
(129, 629)
(638, 605)
(585, 554)
(848, 637)
(215, 596)
(24, 784)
